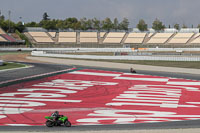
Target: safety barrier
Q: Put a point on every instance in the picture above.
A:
(101, 49)
(1, 62)
(154, 58)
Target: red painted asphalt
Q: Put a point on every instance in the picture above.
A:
(92, 97)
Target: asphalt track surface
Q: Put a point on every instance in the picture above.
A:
(38, 68)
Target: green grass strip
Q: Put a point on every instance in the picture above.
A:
(9, 65)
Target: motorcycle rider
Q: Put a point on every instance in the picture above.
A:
(56, 116)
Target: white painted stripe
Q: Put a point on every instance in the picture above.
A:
(144, 79)
(146, 95)
(34, 99)
(183, 83)
(149, 101)
(96, 74)
(152, 98)
(152, 92)
(17, 124)
(193, 102)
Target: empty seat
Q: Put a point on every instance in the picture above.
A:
(163, 35)
(88, 34)
(134, 40)
(9, 38)
(88, 40)
(157, 40)
(67, 34)
(115, 34)
(43, 39)
(137, 35)
(2, 39)
(183, 35)
(160, 38)
(67, 40)
(40, 34)
(181, 38)
(112, 40)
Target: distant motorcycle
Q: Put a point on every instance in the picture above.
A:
(63, 120)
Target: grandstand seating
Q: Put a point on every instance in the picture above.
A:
(150, 35)
(102, 34)
(114, 37)
(38, 34)
(1, 31)
(67, 37)
(2, 39)
(53, 34)
(41, 37)
(9, 38)
(181, 38)
(110, 38)
(88, 37)
(160, 38)
(135, 38)
(196, 39)
(196, 35)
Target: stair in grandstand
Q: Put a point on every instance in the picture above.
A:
(124, 38)
(148, 37)
(193, 38)
(78, 38)
(170, 38)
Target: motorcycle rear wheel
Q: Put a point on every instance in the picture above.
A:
(67, 123)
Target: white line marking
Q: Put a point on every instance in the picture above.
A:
(96, 74)
(183, 83)
(49, 100)
(144, 79)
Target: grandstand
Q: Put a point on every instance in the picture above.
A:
(67, 37)
(52, 34)
(181, 38)
(114, 37)
(135, 38)
(41, 37)
(160, 38)
(88, 37)
(4, 37)
(196, 39)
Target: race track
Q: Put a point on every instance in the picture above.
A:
(94, 96)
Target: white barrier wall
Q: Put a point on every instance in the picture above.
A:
(1, 62)
(157, 58)
(100, 49)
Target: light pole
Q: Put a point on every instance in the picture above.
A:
(9, 12)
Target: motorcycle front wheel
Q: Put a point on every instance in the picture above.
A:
(49, 123)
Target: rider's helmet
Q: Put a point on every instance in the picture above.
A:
(56, 112)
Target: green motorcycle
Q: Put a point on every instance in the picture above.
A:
(62, 120)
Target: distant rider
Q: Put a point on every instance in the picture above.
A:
(55, 115)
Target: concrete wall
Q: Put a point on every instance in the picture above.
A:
(154, 58)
